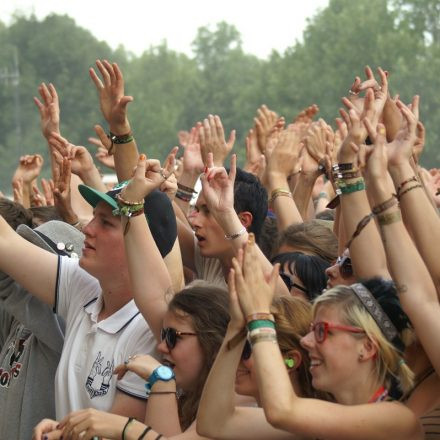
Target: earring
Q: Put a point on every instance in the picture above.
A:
(290, 363)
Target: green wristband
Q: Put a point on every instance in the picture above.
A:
(259, 323)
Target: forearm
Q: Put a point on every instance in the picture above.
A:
(188, 179)
(92, 178)
(354, 207)
(420, 218)
(144, 260)
(78, 203)
(303, 193)
(217, 404)
(282, 202)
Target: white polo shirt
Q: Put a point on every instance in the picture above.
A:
(93, 349)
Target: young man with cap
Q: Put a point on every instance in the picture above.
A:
(31, 339)
(103, 325)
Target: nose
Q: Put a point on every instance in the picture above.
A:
(88, 228)
(308, 341)
(332, 271)
(194, 219)
(162, 347)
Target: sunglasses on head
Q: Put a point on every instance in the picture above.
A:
(345, 267)
(170, 335)
(290, 283)
(320, 329)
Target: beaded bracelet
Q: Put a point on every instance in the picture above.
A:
(126, 202)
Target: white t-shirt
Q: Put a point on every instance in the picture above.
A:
(93, 349)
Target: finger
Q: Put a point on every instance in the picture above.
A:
(105, 75)
(370, 130)
(369, 73)
(125, 100)
(118, 74)
(170, 161)
(39, 105)
(345, 117)
(102, 136)
(210, 160)
(95, 78)
(53, 93)
(231, 140)
(44, 92)
(217, 128)
(384, 80)
(110, 71)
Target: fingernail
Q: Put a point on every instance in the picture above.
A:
(142, 157)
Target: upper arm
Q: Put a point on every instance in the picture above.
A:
(129, 406)
(32, 267)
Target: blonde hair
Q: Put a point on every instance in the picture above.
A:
(389, 362)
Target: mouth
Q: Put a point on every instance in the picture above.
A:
(168, 363)
(87, 245)
(240, 373)
(315, 363)
(200, 238)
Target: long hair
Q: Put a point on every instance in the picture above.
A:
(208, 308)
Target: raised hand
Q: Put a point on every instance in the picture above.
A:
(212, 140)
(316, 139)
(265, 122)
(48, 187)
(81, 160)
(218, 185)
(254, 292)
(306, 115)
(49, 109)
(148, 176)
(255, 162)
(192, 156)
(29, 168)
(104, 145)
(112, 99)
(37, 199)
(169, 187)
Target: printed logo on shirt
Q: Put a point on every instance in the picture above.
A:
(13, 354)
(98, 381)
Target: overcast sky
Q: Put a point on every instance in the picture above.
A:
(264, 25)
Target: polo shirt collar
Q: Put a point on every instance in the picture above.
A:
(115, 322)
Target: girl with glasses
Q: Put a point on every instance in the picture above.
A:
(355, 349)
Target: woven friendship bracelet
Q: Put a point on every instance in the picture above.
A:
(388, 218)
(408, 190)
(400, 187)
(378, 209)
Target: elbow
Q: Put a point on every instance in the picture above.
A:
(277, 415)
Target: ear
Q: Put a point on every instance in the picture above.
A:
(294, 358)
(368, 350)
(246, 219)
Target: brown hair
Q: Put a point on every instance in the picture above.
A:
(311, 238)
(292, 319)
(208, 308)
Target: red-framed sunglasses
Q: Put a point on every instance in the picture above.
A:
(320, 329)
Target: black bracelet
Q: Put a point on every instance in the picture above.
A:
(130, 419)
(144, 433)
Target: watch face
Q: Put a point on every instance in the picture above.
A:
(165, 373)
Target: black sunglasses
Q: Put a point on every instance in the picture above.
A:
(345, 267)
(290, 284)
(170, 336)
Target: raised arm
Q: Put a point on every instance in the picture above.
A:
(218, 416)
(416, 289)
(113, 104)
(148, 273)
(32, 267)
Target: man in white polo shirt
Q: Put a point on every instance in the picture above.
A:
(103, 325)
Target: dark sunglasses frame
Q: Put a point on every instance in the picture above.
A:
(290, 284)
(247, 351)
(345, 266)
(170, 335)
(320, 329)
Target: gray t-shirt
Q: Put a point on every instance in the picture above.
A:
(31, 340)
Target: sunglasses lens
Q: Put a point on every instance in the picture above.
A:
(346, 268)
(169, 334)
(247, 351)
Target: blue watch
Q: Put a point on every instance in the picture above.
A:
(163, 373)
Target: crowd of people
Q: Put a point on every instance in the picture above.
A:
(295, 297)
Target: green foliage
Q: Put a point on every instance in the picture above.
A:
(172, 91)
